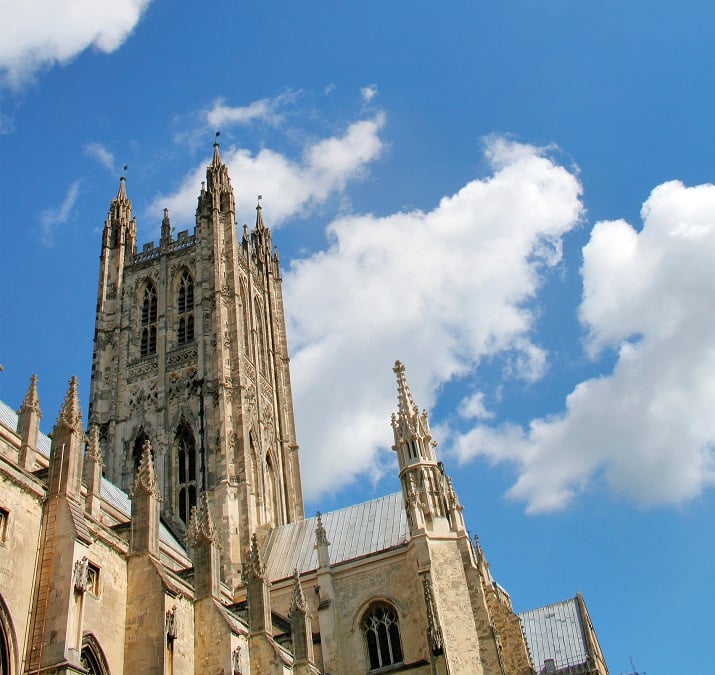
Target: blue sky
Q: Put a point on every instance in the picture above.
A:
(510, 197)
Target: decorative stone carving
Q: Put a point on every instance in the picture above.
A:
(434, 631)
(236, 660)
(171, 629)
(81, 575)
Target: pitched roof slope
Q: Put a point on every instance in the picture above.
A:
(353, 532)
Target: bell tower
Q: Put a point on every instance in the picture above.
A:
(190, 353)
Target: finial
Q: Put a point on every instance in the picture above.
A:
(70, 412)
(217, 157)
(258, 205)
(31, 402)
(252, 568)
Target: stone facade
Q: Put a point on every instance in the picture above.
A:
(169, 536)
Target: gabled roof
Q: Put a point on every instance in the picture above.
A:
(353, 532)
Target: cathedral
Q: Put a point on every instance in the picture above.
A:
(167, 535)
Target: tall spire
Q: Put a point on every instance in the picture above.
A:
(28, 426)
(405, 404)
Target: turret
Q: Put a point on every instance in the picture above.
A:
(430, 500)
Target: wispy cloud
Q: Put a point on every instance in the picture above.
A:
(36, 34)
(266, 110)
(368, 93)
(51, 217)
(101, 154)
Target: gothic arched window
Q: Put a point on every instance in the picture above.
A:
(91, 658)
(7, 642)
(148, 320)
(382, 636)
(185, 309)
(245, 325)
(186, 471)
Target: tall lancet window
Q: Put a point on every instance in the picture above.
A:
(148, 320)
(185, 471)
(185, 307)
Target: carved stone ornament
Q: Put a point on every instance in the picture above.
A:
(236, 660)
(434, 631)
(81, 575)
(253, 568)
(171, 630)
(298, 604)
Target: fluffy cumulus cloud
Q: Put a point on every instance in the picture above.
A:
(439, 290)
(266, 110)
(324, 169)
(39, 33)
(646, 429)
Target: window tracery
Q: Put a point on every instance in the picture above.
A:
(186, 471)
(185, 309)
(381, 629)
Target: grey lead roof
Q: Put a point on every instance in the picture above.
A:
(353, 532)
(555, 632)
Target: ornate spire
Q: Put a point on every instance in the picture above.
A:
(145, 478)
(31, 402)
(298, 604)
(216, 161)
(166, 228)
(409, 425)
(94, 452)
(70, 413)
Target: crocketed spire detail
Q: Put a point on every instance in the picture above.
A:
(31, 402)
(70, 415)
(94, 452)
(253, 568)
(321, 538)
(145, 478)
(201, 523)
(298, 604)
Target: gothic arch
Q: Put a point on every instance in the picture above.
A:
(183, 292)
(271, 490)
(92, 657)
(148, 309)
(184, 462)
(8, 642)
(137, 445)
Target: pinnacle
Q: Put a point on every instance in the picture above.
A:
(31, 402)
(298, 604)
(146, 475)
(71, 413)
(122, 193)
(217, 157)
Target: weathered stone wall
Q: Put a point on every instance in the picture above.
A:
(20, 497)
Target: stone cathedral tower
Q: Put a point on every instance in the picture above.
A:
(190, 353)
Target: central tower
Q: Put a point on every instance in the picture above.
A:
(190, 353)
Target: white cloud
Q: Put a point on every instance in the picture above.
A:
(324, 169)
(39, 33)
(101, 154)
(646, 430)
(368, 93)
(439, 290)
(53, 216)
(221, 116)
